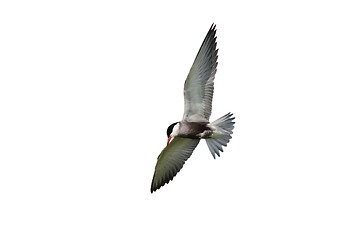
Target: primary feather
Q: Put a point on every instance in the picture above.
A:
(171, 160)
(199, 84)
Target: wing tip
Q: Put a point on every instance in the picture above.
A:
(212, 32)
(157, 186)
(213, 26)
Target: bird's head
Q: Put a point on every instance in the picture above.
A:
(172, 131)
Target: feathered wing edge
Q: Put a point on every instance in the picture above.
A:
(199, 84)
(171, 160)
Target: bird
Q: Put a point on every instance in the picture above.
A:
(185, 135)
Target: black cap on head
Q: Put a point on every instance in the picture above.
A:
(170, 128)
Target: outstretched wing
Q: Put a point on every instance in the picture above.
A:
(171, 160)
(199, 84)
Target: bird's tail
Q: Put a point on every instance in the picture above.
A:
(222, 130)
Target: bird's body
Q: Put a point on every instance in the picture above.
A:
(194, 129)
(185, 135)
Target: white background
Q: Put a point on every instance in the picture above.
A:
(88, 88)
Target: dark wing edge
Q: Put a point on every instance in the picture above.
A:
(171, 160)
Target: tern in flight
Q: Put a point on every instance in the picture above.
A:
(184, 136)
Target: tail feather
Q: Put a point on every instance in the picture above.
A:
(222, 130)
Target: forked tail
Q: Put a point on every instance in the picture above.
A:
(222, 130)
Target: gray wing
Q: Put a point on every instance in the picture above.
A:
(199, 84)
(171, 160)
